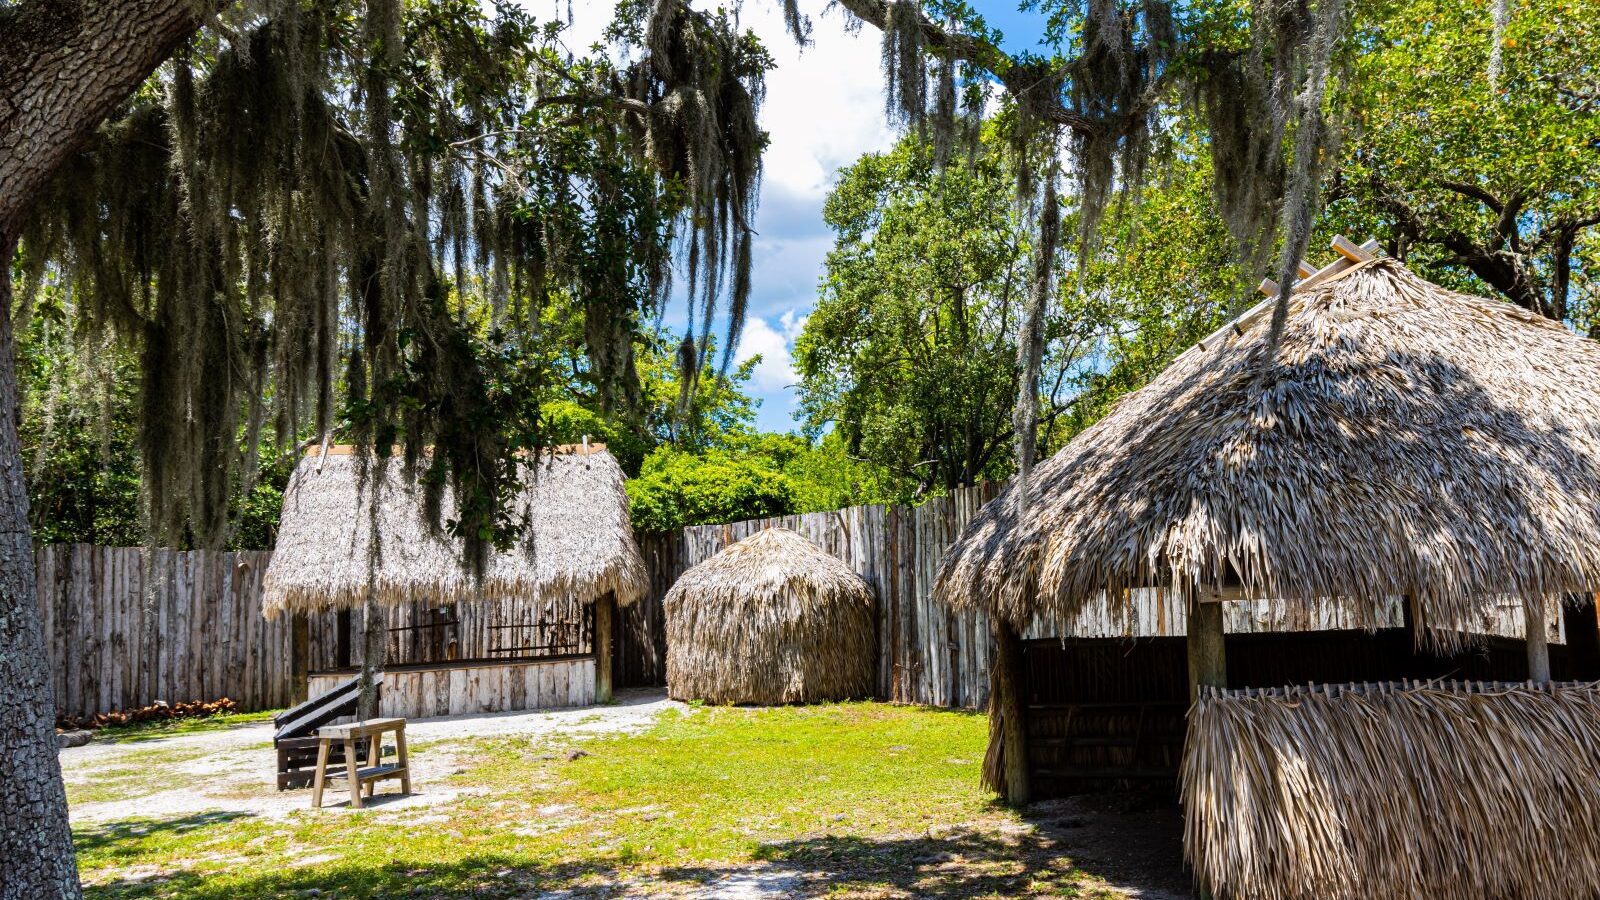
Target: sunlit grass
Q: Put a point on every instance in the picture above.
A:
(853, 785)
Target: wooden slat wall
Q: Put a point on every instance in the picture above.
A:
(197, 633)
(929, 654)
(471, 690)
(187, 626)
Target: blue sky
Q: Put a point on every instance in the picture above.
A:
(824, 109)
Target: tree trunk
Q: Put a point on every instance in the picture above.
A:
(64, 66)
(1005, 766)
(374, 647)
(35, 844)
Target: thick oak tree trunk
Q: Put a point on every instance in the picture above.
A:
(64, 66)
(35, 844)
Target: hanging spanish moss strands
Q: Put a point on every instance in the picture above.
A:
(1030, 347)
(1313, 144)
(1497, 45)
(702, 83)
(905, 74)
(323, 217)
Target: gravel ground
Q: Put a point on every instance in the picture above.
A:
(235, 770)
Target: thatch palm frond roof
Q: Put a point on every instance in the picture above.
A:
(579, 544)
(1409, 440)
(1301, 794)
(771, 619)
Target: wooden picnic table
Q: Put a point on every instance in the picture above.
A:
(365, 777)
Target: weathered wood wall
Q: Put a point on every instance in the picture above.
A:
(198, 634)
(931, 655)
(457, 690)
(187, 626)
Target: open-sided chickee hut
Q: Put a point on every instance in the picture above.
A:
(536, 632)
(1406, 443)
(771, 619)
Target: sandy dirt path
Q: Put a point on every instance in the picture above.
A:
(234, 770)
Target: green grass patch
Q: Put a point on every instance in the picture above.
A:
(165, 728)
(874, 800)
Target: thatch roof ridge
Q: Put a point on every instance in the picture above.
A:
(773, 618)
(580, 543)
(1409, 440)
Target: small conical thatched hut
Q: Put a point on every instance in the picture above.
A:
(541, 617)
(772, 619)
(1403, 441)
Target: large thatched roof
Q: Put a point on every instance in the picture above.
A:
(1444, 792)
(771, 619)
(1409, 441)
(579, 546)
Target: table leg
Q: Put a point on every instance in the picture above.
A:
(322, 769)
(350, 772)
(400, 757)
(374, 758)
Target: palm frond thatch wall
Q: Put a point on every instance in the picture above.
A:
(1442, 792)
(772, 619)
(1408, 440)
(579, 545)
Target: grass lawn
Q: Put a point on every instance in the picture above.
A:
(859, 800)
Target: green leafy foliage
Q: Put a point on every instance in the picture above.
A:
(1479, 178)
(677, 488)
(911, 351)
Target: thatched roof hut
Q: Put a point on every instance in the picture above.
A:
(771, 619)
(1408, 440)
(1403, 440)
(580, 545)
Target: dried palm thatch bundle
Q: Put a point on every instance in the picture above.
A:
(578, 545)
(771, 619)
(1428, 791)
(1405, 440)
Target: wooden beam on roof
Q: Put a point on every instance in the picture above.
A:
(1269, 287)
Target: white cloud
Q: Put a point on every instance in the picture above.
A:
(775, 373)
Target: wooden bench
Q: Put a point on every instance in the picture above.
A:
(362, 777)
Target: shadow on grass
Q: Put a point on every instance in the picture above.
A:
(1065, 848)
(131, 839)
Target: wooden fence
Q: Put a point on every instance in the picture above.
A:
(187, 626)
(198, 633)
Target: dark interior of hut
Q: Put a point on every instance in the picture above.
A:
(1109, 713)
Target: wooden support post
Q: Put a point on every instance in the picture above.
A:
(299, 659)
(605, 613)
(1537, 638)
(1006, 768)
(1582, 625)
(1208, 662)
